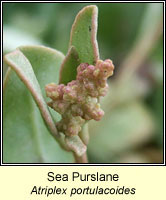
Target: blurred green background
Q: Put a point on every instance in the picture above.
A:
(131, 34)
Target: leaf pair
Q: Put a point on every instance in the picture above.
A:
(25, 137)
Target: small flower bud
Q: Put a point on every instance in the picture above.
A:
(77, 101)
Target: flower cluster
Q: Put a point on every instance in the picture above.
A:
(78, 101)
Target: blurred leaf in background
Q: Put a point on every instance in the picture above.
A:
(131, 34)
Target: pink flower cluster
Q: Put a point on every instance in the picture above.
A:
(78, 101)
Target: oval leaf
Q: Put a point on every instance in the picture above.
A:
(17, 61)
(83, 35)
(26, 138)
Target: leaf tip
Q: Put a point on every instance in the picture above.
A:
(90, 15)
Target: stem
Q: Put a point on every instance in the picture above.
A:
(84, 134)
(81, 159)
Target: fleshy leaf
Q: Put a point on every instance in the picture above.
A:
(33, 56)
(83, 35)
(17, 61)
(83, 48)
(26, 138)
(69, 66)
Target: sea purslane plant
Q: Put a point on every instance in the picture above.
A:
(74, 91)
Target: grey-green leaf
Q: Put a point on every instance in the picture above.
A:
(69, 66)
(17, 61)
(25, 136)
(83, 35)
